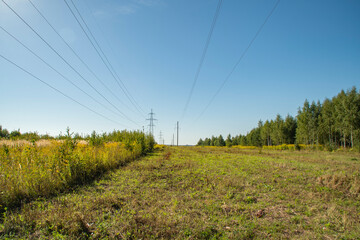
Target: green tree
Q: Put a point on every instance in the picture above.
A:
(290, 129)
(315, 111)
(235, 141)
(327, 122)
(4, 133)
(303, 128)
(265, 133)
(334, 122)
(254, 138)
(243, 140)
(278, 130)
(339, 115)
(15, 134)
(213, 141)
(352, 113)
(221, 141)
(97, 140)
(228, 141)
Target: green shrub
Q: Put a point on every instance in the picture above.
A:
(29, 171)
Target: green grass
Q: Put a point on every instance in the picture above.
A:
(205, 193)
(31, 170)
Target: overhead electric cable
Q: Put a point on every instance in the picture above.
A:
(97, 51)
(239, 60)
(202, 56)
(64, 77)
(121, 113)
(78, 57)
(118, 80)
(57, 90)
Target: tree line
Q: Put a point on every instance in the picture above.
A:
(333, 123)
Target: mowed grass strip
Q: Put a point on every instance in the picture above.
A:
(206, 193)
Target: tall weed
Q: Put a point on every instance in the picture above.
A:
(29, 171)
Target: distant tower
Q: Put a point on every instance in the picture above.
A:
(151, 124)
(160, 137)
(177, 135)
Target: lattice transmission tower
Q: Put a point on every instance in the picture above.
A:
(151, 124)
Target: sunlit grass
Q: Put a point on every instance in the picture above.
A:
(31, 170)
(206, 193)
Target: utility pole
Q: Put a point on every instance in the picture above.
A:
(160, 137)
(177, 127)
(151, 125)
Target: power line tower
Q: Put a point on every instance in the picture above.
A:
(177, 135)
(151, 124)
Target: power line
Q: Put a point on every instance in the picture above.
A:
(239, 60)
(121, 113)
(64, 77)
(74, 52)
(202, 56)
(117, 79)
(97, 51)
(57, 90)
(123, 87)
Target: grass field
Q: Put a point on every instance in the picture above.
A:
(205, 193)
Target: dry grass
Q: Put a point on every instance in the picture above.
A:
(349, 185)
(39, 143)
(14, 143)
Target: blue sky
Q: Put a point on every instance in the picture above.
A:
(307, 50)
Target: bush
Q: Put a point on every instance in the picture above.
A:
(15, 134)
(95, 140)
(29, 171)
(4, 133)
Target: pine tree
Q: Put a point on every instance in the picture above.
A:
(221, 141)
(243, 141)
(341, 116)
(265, 133)
(290, 129)
(213, 141)
(327, 122)
(228, 141)
(303, 119)
(278, 130)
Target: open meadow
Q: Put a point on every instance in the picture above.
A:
(189, 119)
(205, 193)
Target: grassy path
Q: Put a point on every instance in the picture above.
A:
(205, 193)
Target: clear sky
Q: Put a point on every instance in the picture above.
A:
(308, 49)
